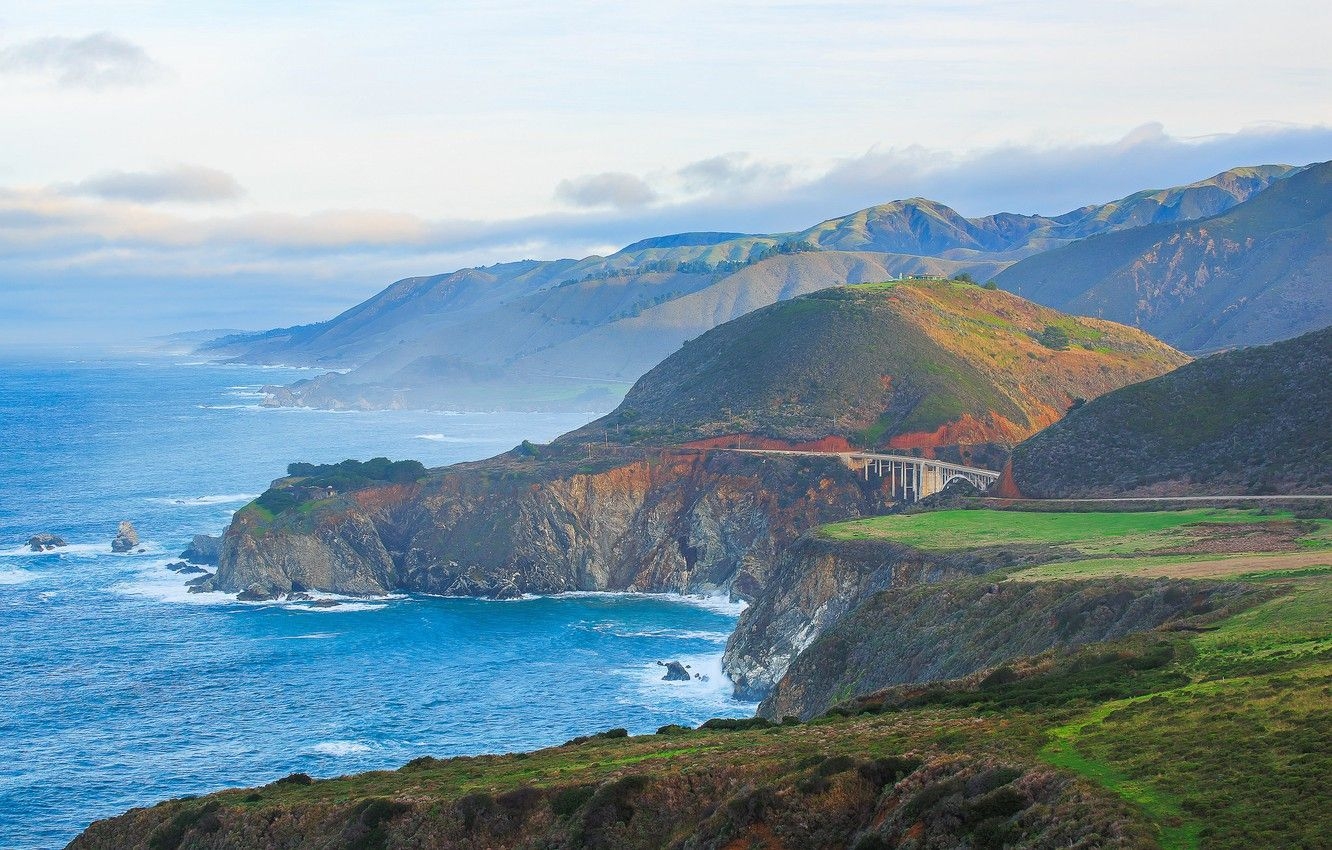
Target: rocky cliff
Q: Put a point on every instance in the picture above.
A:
(818, 582)
(947, 631)
(666, 520)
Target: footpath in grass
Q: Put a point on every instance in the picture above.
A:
(1240, 756)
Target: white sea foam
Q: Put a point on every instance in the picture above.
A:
(16, 576)
(444, 438)
(231, 407)
(72, 549)
(192, 501)
(340, 748)
(702, 698)
(671, 634)
(720, 604)
(312, 636)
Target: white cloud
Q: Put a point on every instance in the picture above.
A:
(610, 189)
(98, 61)
(183, 183)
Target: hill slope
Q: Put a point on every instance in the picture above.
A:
(1253, 274)
(933, 365)
(1251, 421)
(537, 333)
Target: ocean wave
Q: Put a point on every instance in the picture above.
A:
(719, 604)
(191, 501)
(444, 438)
(231, 407)
(340, 748)
(16, 576)
(85, 550)
(311, 636)
(618, 630)
(700, 698)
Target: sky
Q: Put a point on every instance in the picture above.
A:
(179, 166)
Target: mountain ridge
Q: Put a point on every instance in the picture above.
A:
(575, 331)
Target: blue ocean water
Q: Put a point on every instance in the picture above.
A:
(118, 689)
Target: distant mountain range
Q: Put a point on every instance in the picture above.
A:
(556, 333)
(1256, 273)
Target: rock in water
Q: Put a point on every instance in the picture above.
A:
(256, 593)
(203, 549)
(675, 672)
(45, 542)
(126, 538)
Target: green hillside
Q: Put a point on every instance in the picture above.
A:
(1255, 273)
(927, 365)
(1253, 421)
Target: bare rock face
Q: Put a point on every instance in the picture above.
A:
(45, 542)
(126, 538)
(680, 521)
(203, 549)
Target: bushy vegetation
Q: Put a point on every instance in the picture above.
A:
(1249, 421)
(339, 477)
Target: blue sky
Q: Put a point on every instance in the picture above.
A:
(177, 166)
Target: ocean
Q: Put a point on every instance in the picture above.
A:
(119, 689)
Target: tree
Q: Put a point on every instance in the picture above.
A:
(989, 284)
(1053, 337)
(963, 277)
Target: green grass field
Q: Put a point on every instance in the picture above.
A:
(1092, 533)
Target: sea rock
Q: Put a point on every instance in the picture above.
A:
(126, 538)
(256, 593)
(203, 549)
(45, 542)
(192, 569)
(675, 672)
(324, 603)
(176, 566)
(201, 584)
(298, 596)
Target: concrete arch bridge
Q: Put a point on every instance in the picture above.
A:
(910, 478)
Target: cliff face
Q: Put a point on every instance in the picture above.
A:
(673, 520)
(948, 631)
(816, 583)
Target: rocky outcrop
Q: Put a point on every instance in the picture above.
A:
(126, 538)
(951, 630)
(818, 582)
(688, 521)
(45, 542)
(203, 549)
(675, 672)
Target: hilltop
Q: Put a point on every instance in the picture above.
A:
(938, 366)
(1250, 421)
(1255, 273)
(563, 333)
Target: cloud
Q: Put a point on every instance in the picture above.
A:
(731, 171)
(98, 61)
(610, 189)
(184, 183)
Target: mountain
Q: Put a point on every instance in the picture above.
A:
(1253, 421)
(554, 333)
(1255, 273)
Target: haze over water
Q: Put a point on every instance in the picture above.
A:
(119, 689)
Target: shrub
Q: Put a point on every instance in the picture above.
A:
(565, 802)
(1054, 338)
(736, 724)
(296, 779)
